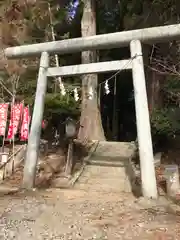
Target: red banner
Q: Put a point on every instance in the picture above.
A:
(25, 124)
(3, 117)
(16, 111)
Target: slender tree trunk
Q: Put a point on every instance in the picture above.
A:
(91, 126)
(156, 98)
(153, 82)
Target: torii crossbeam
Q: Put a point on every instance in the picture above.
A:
(102, 41)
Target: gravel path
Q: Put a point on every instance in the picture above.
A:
(100, 210)
(75, 214)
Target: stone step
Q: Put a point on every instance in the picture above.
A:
(114, 150)
(111, 180)
(105, 179)
(104, 172)
(99, 187)
(107, 170)
(107, 163)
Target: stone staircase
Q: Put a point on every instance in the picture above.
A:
(109, 168)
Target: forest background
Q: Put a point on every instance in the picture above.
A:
(109, 116)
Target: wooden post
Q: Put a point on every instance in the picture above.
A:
(114, 122)
(36, 125)
(4, 160)
(148, 178)
(69, 163)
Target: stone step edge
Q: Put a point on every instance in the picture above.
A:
(106, 163)
(109, 158)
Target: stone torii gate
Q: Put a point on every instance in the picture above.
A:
(105, 41)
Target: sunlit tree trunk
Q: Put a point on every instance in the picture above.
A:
(91, 126)
(154, 80)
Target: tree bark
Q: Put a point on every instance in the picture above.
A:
(91, 126)
(153, 82)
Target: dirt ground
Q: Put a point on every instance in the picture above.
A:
(77, 214)
(74, 214)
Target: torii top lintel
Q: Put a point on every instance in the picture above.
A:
(103, 41)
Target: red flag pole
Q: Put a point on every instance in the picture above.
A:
(21, 117)
(4, 137)
(13, 101)
(28, 122)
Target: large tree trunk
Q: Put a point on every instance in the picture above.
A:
(91, 126)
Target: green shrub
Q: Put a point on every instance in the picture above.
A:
(165, 122)
(58, 106)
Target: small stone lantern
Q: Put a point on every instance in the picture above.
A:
(70, 128)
